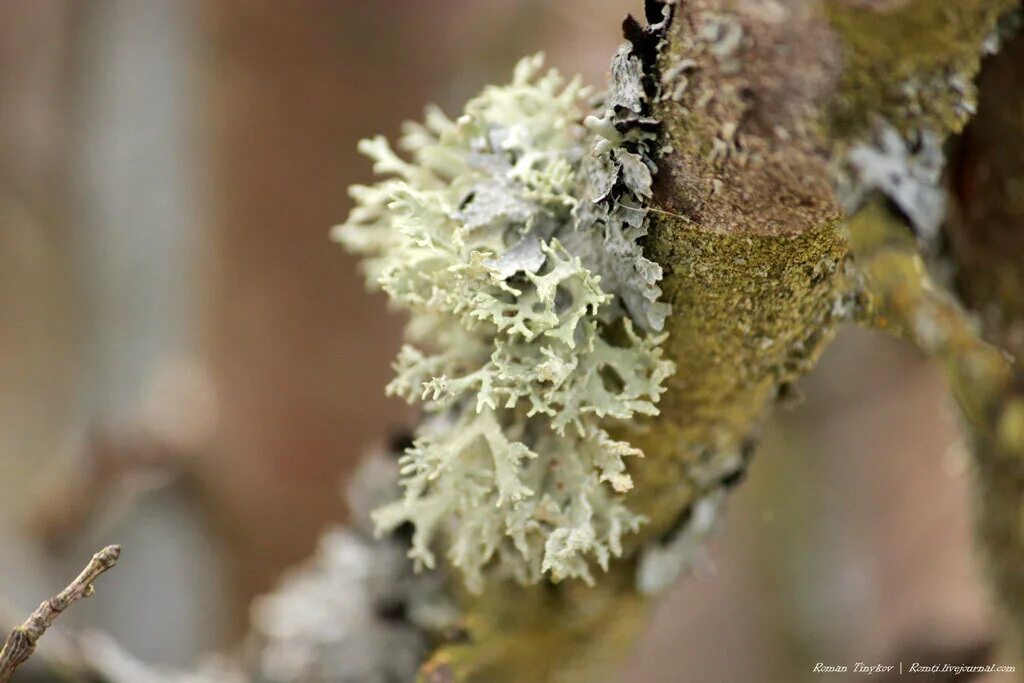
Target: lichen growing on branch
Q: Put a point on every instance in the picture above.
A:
(512, 239)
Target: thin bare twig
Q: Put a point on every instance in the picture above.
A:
(21, 642)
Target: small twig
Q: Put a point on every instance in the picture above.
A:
(21, 642)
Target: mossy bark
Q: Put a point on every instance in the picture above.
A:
(747, 230)
(911, 63)
(557, 633)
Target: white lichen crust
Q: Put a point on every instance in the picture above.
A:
(512, 239)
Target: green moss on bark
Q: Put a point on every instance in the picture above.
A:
(752, 313)
(912, 63)
(748, 232)
(562, 633)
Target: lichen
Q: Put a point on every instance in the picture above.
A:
(908, 172)
(661, 564)
(512, 239)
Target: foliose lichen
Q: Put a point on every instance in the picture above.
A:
(513, 239)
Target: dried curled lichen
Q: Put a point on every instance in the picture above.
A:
(511, 238)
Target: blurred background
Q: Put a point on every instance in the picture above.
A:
(189, 367)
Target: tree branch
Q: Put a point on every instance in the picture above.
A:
(759, 109)
(904, 299)
(21, 642)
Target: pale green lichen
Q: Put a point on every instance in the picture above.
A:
(534, 325)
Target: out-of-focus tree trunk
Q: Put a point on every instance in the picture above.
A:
(38, 336)
(288, 329)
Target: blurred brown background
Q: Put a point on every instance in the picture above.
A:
(189, 367)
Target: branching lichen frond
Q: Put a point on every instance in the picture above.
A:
(512, 238)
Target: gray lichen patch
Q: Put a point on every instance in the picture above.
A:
(618, 175)
(908, 172)
(663, 563)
